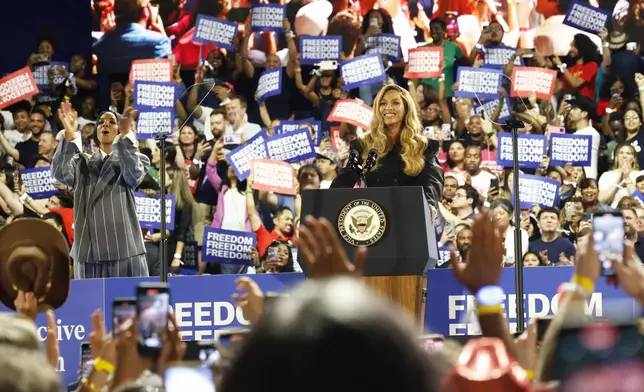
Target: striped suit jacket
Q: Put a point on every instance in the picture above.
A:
(105, 223)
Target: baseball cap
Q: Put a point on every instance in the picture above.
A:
(328, 154)
(585, 104)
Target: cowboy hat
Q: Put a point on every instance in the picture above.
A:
(34, 257)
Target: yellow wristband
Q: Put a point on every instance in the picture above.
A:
(179, 80)
(584, 282)
(530, 374)
(483, 310)
(102, 365)
(84, 382)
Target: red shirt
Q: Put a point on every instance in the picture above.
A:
(68, 220)
(587, 72)
(265, 238)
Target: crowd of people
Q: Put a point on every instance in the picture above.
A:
(83, 127)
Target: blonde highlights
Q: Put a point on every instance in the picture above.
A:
(412, 141)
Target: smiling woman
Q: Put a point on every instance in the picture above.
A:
(405, 157)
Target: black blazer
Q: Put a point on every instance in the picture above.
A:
(390, 172)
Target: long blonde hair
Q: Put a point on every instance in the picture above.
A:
(413, 142)
(180, 188)
(635, 166)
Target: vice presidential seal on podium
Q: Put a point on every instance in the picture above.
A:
(362, 222)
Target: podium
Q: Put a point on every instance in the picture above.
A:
(395, 224)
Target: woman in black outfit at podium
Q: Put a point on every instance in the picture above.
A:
(405, 157)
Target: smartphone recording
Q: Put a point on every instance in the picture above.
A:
(189, 378)
(153, 301)
(608, 235)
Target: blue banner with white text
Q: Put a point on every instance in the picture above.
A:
(532, 148)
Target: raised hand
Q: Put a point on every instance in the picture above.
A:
(52, 349)
(323, 253)
(69, 118)
(26, 305)
(125, 123)
(252, 301)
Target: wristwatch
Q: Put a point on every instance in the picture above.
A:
(177, 256)
(490, 296)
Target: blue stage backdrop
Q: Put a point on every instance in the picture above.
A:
(450, 307)
(202, 305)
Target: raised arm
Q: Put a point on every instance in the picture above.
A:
(134, 165)
(63, 164)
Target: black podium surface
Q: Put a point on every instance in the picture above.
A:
(395, 224)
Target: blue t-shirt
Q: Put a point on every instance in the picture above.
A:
(554, 248)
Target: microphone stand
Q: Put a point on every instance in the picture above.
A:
(162, 137)
(513, 126)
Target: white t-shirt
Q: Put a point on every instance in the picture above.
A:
(508, 243)
(247, 130)
(202, 123)
(591, 171)
(611, 178)
(234, 211)
(8, 119)
(14, 137)
(325, 184)
(481, 182)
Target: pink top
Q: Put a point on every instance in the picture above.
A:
(217, 183)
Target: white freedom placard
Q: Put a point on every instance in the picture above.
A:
(273, 176)
(269, 84)
(314, 49)
(154, 96)
(361, 71)
(352, 112)
(267, 17)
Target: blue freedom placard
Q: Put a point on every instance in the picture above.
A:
(209, 29)
(290, 126)
(480, 83)
(292, 147)
(267, 17)
(314, 49)
(202, 307)
(39, 183)
(269, 84)
(586, 18)
(637, 195)
(444, 255)
(384, 45)
(148, 124)
(148, 211)
(538, 190)
(362, 71)
(487, 108)
(227, 246)
(154, 96)
(532, 148)
(451, 308)
(575, 149)
(41, 74)
(240, 157)
(498, 56)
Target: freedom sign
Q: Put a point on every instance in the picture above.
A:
(527, 80)
(637, 195)
(384, 44)
(498, 56)
(17, 86)
(352, 112)
(532, 148)
(575, 149)
(292, 147)
(41, 73)
(273, 176)
(314, 49)
(269, 84)
(537, 190)
(480, 83)
(39, 183)
(362, 71)
(154, 96)
(148, 124)
(290, 126)
(209, 29)
(240, 157)
(586, 17)
(148, 211)
(487, 108)
(227, 246)
(151, 70)
(268, 17)
(424, 62)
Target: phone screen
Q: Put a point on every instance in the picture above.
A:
(152, 307)
(273, 254)
(608, 233)
(122, 311)
(86, 360)
(432, 343)
(186, 378)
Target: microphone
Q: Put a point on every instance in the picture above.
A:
(353, 163)
(372, 158)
